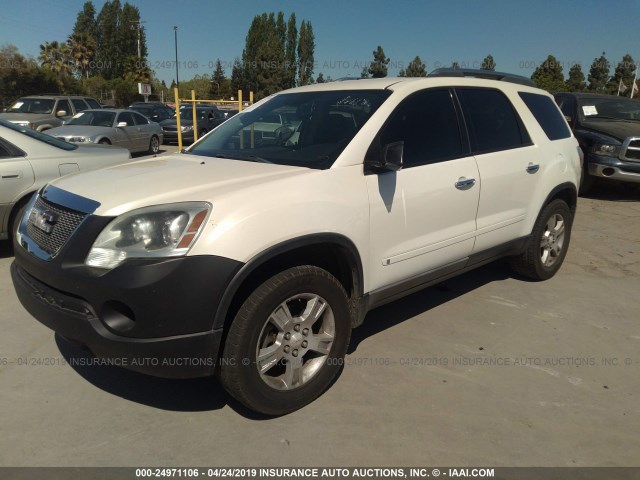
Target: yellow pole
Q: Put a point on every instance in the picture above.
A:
(195, 122)
(253, 135)
(177, 95)
(251, 98)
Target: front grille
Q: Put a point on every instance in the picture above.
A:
(170, 128)
(633, 150)
(65, 224)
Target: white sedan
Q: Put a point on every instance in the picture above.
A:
(30, 159)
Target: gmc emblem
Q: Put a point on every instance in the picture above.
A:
(43, 219)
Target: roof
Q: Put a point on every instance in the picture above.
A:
(597, 95)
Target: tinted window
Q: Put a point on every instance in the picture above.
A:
(92, 103)
(428, 125)
(64, 105)
(128, 118)
(547, 115)
(96, 118)
(492, 122)
(140, 120)
(79, 104)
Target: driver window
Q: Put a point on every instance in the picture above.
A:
(428, 125)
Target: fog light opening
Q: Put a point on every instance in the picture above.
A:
(607, 172)
(117, 316)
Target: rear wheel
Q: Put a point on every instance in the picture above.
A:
(287, 341)
(154, 145)
(548, 244)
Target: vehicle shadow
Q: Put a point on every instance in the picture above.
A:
(205, 394)
(189, 395)
(614, 192)
(392, 314)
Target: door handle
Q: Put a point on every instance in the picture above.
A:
(533, 168)
(465, 183)
(12, 175)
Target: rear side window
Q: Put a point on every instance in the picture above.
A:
(79, 104)
(492, 121)
(92, 103)
(547, 115)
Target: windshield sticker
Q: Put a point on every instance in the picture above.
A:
(18, 105)
(78, 115)
(589, 110)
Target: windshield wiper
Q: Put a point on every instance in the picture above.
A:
(589, 117)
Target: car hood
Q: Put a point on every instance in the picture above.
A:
(78, 131)
(174, 178)
(619, 129)
(24, 117)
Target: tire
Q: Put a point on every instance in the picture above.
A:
(17, 217)
(547, 247)
(104, 141)
(154, 145)
(274, 330)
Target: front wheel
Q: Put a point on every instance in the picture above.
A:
(287, 342)
(547, 247)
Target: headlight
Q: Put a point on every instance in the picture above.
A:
(186, 128)
(607, 150)
(78, 139)
(159, 231)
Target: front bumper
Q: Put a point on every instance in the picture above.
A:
(171, 137)
(613, 169)
(154, 316)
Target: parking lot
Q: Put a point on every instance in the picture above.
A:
(485, 369)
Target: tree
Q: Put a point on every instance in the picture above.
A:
(320, 78)
(82, 51)
(290, 50)
(219, 85)
(56, 57)
(20, 76)
(107, 52)
(237, 76)
(599, 74)
(575, 82)
(415, 68)
(364, 73)
(549, 76)
(86, 22)
(378, 68)
(488, 63)
(306, 48)
(622, 79)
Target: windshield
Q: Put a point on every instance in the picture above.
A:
(616, 108)
(95, 118)
(299, 129)
(42, 137)
(186, 113)
(32, 105)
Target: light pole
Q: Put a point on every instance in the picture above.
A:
(175, 35)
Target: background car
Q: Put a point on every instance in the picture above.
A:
(156, 112)
(124, 128)
(607, 128)
(208, 118)
(30, 159)
(42, 112)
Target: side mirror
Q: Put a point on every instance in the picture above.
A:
(61, 113)
(121, 124)
(389, 159)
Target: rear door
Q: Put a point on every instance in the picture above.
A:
(423, 216)
(510, 165)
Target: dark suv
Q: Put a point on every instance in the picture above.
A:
(42, 112)
(608, 130)
(156, 112)
(207, 118)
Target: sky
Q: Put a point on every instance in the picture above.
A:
(519, 35)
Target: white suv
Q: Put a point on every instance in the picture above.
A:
(253, 256)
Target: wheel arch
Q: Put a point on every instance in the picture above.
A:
(332, 252)
(565, 191)
(21, 202)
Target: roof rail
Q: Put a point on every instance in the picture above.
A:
(488, 74)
